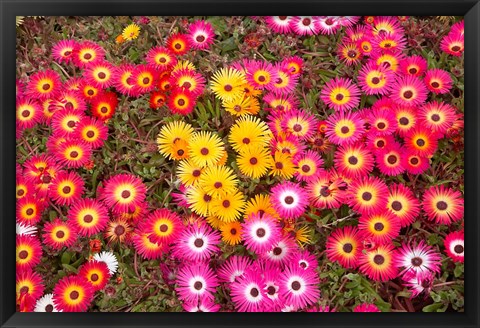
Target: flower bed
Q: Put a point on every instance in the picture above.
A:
(257, 164)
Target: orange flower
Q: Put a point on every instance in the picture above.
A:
(119, 39)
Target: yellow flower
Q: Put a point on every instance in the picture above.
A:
(260, 204)
(255, 161)
(228, 207)
(227, 84)
(249, 131)
(131, 32)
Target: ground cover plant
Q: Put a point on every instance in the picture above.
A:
(310, 164)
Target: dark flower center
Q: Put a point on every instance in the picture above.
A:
(367, 196)
(126, 194)
(375, 80)
(345, 129)
(204, 151)
(414, 161)
(200, 38)
(21, 192)
(67, 53)
(29, 211)
(391, 159)
(196, 173)
(297, 128)
(102, 75)
(228, 88)
(352, 53)
(420, 142)
(417, 261)
(180, 152)
(442, 206)
(88, 218)
(49, 308)
(207, 198)
(74, 154)
(253, 161)
(26, 113)
(396, 205)
(94, 277)
(23, 254)
(226, 203)
(119, 230)
(74, 295)
(296, 285)
(347, 248)
(379, 259)
(60, 234)
(404, 121)
(271, 290)
(246, 141)
(87, 56)
(261, 232)
(233, 231)
(279, 165)
(46, 86)
(339, 97)
(261, 78)
(104, 110)
(455, 48)
(187, 85)
(163, 228)
(198, 285)
(458, 249)
(90, 134)
(90, 92)
(435, 84)
(435, 117)
(178, 46)
(352, 160)
(66, 190)
(289, 200)
(408, 94)
(237, 108)
(413, 71)
(198, 242)
(381, 126)
(380, 143)
(71, 124)
(146, 80)
(254, 292)
(305, 168)
(181, 102)
(378, 226)
(325, 192)
(308, 21)
(162, 60)
(218, 185)
(277, 251)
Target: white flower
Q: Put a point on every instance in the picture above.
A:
(25, 229)
(109, 259)
(45, 304)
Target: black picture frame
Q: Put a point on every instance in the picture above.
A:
(9, 9)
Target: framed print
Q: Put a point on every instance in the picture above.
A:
(177, 157)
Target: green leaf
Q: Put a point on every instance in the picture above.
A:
(432, 307)
(458, 271)
(70, 268)
(66, 257)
